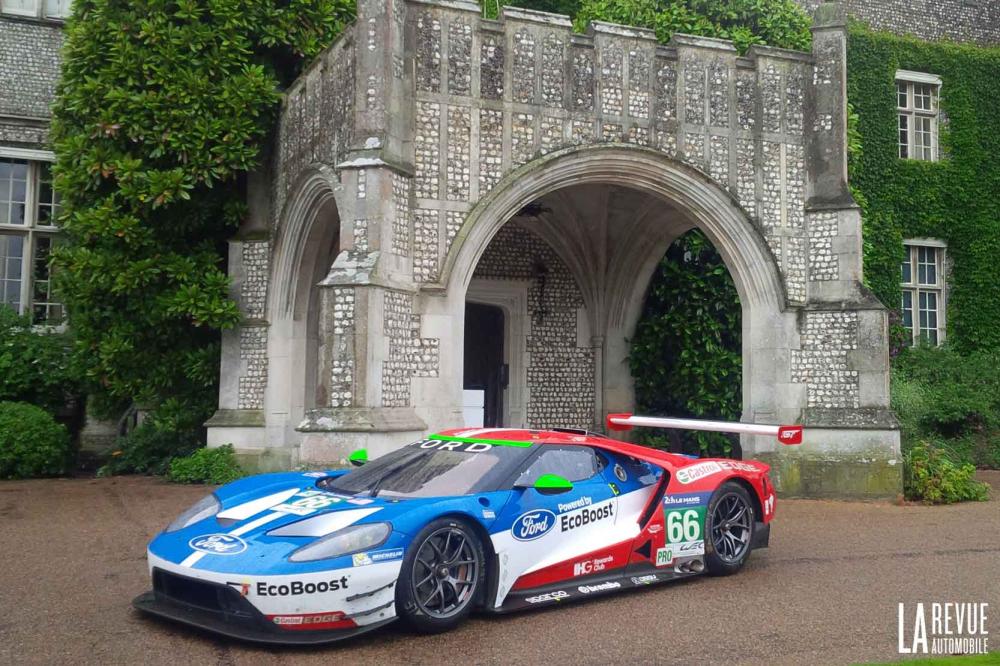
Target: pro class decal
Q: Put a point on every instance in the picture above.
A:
(533, 525)
(664, 557)
(218, 544)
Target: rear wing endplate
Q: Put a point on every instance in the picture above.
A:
(786, 434)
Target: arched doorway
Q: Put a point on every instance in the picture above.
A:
(607, 214)
(308, 243)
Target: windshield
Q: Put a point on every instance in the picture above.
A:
(433, 468)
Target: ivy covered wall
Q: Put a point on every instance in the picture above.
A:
(956, 200)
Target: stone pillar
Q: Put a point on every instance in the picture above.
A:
(243, 372)
(851, 445)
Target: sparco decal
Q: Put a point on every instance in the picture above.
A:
(571, 521)
(601, 587)
(218, 544)
(533, 525)
(549, 596)
(296, 588)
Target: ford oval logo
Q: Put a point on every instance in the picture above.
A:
(218, 544)
(533, 525)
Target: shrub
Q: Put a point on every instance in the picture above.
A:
(161, 110)
(686, 353)
(216, 466)
(779, 23)
(149, 449)
(35, 367)
(32, 444)
(930, 475)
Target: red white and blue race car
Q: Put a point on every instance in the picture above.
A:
(490, 519)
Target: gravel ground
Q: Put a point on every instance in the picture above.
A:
(826, 591)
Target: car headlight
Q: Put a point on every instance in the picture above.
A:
(204, 508)
(349, 540)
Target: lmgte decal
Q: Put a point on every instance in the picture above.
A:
(218, 544)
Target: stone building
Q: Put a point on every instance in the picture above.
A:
(432, 162)
(460, 217)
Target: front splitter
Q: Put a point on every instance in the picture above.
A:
(244, 629)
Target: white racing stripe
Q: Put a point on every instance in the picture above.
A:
(193, 558)
(250, 509)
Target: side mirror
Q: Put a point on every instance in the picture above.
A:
(358, 458)
(552, 484)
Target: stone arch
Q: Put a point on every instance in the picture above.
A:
(767, 321)
(710, 207)
(307, 242)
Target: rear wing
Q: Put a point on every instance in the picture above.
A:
(786, 434)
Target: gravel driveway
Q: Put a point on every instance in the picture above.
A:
(826, 591)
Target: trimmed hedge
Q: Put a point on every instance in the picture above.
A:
(32, 444)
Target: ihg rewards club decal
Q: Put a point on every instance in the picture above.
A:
(944, 628)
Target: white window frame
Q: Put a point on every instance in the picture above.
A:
(39, 11)
(913, 114)
(30, 231)
(915, 288)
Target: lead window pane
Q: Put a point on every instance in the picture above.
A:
(11, 255)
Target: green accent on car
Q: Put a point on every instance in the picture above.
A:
(493, 442)
(552, 482)
(359, 457)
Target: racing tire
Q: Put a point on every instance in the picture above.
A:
(442, 576)
(729, 527)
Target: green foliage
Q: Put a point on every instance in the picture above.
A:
(149, 448)
(35, 367)
(565, 7)
(686, 356)
(780, 23)
(216, 466)
(954, 199)
(950, 399)
(162, 108)
(931, 476)
(32, 444)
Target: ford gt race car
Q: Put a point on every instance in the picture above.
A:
(489, 519)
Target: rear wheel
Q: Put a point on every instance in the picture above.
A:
(441, 576)
(729, 529)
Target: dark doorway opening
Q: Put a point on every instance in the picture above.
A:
(485, 375)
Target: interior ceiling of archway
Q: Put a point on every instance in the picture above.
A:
(610, 237)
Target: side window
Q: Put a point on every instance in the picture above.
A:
(576, 463)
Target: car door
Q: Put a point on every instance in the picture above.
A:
(547, 537)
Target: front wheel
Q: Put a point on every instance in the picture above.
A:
(441, 576)
(729, 529)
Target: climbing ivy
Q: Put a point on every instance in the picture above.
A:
(955, 199)
(686, 354)
(162, 108)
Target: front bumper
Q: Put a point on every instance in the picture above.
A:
(222, 610)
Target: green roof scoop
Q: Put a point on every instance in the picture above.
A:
(552, 484)
(358, 458)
